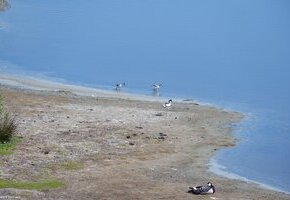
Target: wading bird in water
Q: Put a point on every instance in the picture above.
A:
(155, 89)
(119, 86)
(156, 86)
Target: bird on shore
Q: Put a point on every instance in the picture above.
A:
(119, 86)
(167, 104)
(205, 189)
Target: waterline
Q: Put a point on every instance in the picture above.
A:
(221, 170)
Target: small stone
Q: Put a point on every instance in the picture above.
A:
(163, 134)
(161, 138)
(131, 143)
(46, 152)
(67, 132)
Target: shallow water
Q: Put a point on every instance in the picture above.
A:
(231, 54)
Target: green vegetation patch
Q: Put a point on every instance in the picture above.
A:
(41, 185)
(7, 148)
(71, 165)
(8, 127)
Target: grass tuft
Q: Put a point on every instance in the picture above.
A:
(41, 185)
(72, 165)
(8, 128)
(7, 148)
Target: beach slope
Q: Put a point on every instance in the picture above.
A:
(117, 147)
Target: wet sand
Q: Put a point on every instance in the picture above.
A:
(124, 146)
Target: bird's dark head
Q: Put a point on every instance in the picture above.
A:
(170, 100)
(209, 184)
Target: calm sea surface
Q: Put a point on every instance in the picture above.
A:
(234, 54)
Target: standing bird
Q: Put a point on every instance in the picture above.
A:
(167, 104)
(206, 189)
(119, 86)
(156, 88)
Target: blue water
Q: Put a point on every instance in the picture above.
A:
(235, 54)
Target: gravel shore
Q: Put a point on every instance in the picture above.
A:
(113, 146)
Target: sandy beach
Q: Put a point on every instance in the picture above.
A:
(117, 146)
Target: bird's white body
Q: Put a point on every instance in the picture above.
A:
(119, 86)
(156, 86)
(167, 104)
(211, 191)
